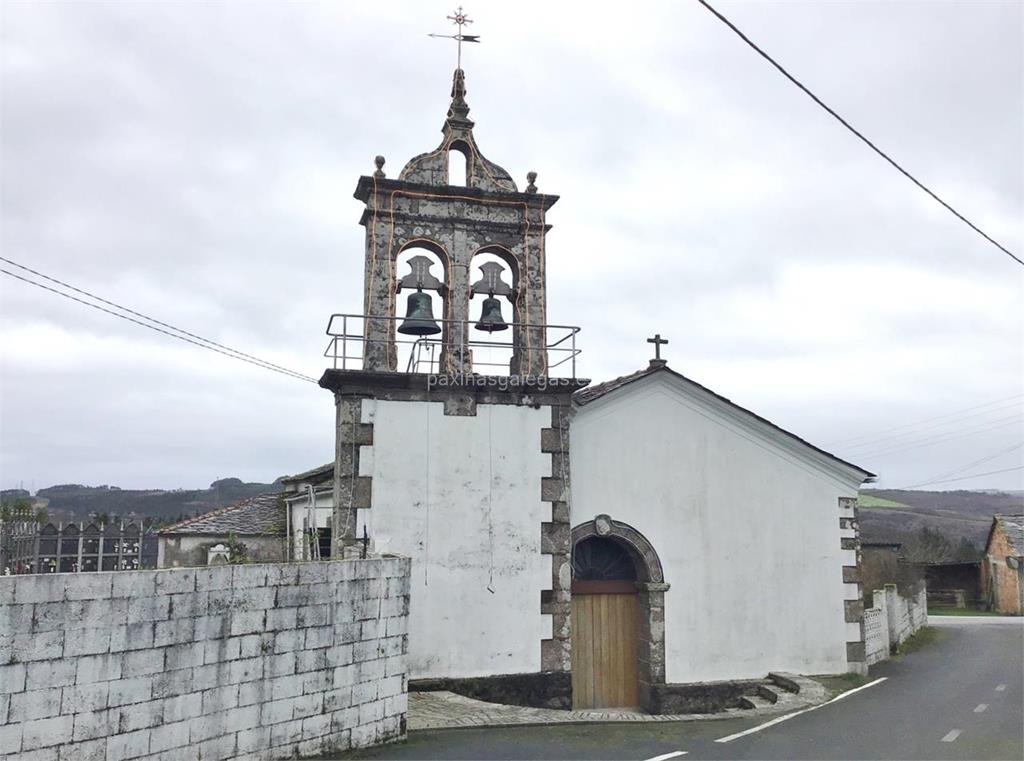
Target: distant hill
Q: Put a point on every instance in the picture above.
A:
(162, 505)
(894, 515)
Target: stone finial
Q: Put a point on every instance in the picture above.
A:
(379, 161)
(531, 177)
(459, 109)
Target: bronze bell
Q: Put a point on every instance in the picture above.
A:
(419, 316)
(490, 316)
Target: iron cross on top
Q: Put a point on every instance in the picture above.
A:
(460, 19)
(657, 341)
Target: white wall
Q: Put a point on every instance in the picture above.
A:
(747, 530)
(298, 508)
(433, 477)
(215, 663)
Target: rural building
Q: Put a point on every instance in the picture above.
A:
(549, 522)
(952, 583)
(309, 501)
(258, 523)
(1002, 570)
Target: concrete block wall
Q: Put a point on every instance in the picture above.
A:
(876, 633)
(892, 620)
(250, 661)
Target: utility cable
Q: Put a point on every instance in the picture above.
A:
(979, 475)
(872, 437)
(950, 426)
(143, 316)
(958, 471)
(931, 441)
(209, 345)
(850, 127)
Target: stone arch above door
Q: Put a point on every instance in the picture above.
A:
(651, 588)
(648, 564)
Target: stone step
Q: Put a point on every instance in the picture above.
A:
(788, 682)
(808, 689)
(754, 701)
(768, 692)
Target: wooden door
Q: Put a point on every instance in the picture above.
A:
(605, 668)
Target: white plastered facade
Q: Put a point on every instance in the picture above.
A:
(744, 517)
(461, 496)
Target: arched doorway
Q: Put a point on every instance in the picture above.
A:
(618, 646)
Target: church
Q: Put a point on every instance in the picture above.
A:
(572, 545)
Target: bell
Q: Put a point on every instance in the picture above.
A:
(490, 316)
(419, 316)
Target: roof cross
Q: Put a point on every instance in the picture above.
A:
(460, 19)
(657, 341)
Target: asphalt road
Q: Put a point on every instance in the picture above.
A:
(929, 707)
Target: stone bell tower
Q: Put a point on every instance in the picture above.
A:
(456, 464)
(486, 215)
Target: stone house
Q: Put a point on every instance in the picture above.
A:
(1002, 569)
(550, 523)
(259, 523)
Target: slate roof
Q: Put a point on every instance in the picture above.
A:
(321, 472)
(600, 390)
(1013, 527)
(262, 515)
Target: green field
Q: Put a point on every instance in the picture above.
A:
(866, 500)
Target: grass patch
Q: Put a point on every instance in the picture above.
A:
(962, 612)
(925, 637)
(837, 683)
(866, 500)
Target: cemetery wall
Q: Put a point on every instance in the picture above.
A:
(248, 661)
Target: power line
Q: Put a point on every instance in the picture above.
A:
(209, 345)
(871, 437)
(961, 421)
(957, 471)
(978, 475)
(143, 316)
(931, 441)
(850, 127)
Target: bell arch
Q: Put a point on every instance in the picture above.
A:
(459, 164)
(651, 587)
(491, 309)
(421, 274)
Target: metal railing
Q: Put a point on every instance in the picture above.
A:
(348, 339)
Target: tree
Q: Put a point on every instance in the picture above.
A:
(19, 509)
(966, 550)
(929, 546)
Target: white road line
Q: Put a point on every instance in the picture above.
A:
(953, 734)
(1000, 688)
(788, 716)
(842, 695)
(981, 707)
(666, 756)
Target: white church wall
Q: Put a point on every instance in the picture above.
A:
(747, 532)
(461, 496)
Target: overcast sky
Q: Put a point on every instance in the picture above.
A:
(196, 162)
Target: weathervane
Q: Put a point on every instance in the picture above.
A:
(460, 19)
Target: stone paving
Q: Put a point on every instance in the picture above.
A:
(447, 710)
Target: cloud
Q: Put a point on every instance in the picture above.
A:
(197, 163)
